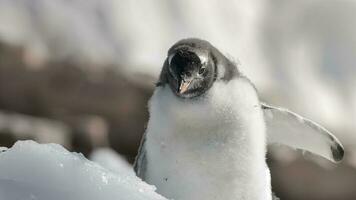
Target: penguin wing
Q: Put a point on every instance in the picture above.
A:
(288, 128)
(140, 163)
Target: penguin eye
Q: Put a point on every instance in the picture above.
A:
(202, 70)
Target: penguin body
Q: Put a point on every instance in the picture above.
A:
(206, 136)
(206, 144)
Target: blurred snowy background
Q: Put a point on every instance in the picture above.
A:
(80, 72)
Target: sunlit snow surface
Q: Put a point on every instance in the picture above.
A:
(32, 171)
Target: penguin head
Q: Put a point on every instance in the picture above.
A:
(192, 66)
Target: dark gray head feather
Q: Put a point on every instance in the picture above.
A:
(186, 58)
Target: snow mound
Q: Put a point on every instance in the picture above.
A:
(32, 171)
(111, 160)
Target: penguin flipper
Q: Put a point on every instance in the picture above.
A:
(288, 128)
(140, 163)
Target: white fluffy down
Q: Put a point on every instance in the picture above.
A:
(208, 148)
(32, 171)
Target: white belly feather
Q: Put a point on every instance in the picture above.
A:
(208, 148)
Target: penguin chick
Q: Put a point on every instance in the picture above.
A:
(206, 137)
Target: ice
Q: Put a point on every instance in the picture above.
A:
(32, 171)
(111, 160)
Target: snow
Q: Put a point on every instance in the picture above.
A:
(32, 171)
(111, 160)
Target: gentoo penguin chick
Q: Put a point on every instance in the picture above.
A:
(207, 132)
